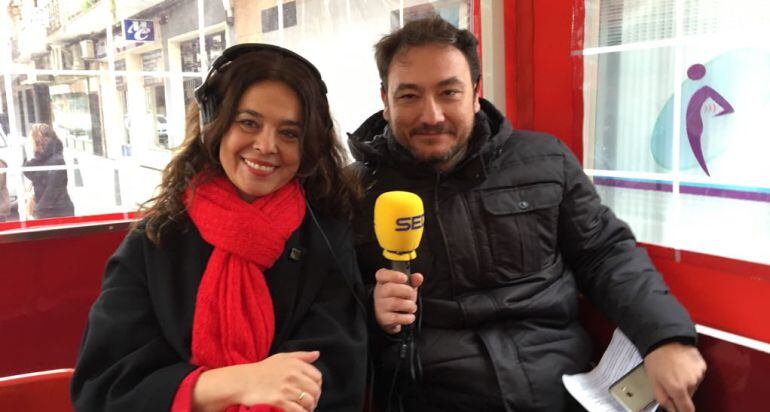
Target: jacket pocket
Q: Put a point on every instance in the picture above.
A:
(522, 227)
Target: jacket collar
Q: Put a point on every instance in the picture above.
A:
(373, 144)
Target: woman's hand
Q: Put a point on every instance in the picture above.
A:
(286, 380)
(31, 207)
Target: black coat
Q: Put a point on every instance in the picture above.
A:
(513, 233)
(50, 186)
(136, 348)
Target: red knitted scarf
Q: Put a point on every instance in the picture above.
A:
(234, 321)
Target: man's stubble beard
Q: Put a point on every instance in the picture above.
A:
(442, 162)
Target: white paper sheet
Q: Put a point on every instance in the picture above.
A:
(592, 389)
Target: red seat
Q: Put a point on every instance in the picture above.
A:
(39, 391)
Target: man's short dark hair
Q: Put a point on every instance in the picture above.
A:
(430, 30)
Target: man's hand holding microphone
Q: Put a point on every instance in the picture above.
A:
(398, 223)
(395, 299)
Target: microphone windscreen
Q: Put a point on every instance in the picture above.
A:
(399, 219)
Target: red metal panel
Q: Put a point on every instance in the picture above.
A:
(726, 294)
(553, 70)
(45, 391)
(519, 41)
(736, 380)
(543, 78)
(578, 32)
(69, 220)
(48, 286)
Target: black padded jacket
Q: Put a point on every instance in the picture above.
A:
(513, 234)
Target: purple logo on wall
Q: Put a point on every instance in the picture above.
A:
(694, 117)
(711, 143)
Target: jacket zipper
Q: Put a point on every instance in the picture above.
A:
(443, 236)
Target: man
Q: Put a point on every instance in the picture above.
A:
(514, 230)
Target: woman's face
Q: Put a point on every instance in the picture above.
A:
(33, 139)
(260, 152)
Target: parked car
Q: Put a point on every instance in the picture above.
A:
(161, 125)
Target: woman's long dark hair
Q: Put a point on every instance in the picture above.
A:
(329, 187)
(46, 141)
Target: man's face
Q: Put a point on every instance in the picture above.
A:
(430, 103)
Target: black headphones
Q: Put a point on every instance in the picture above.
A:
(208, 100)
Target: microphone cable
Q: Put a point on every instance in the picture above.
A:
(369, 396)
(407, 353)
(338, 262)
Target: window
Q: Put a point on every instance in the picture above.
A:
(270, 17)
(190, 51)
(117, 97)
(449, 11)
(676, 101)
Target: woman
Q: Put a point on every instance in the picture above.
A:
(237, 286)
(50, 186)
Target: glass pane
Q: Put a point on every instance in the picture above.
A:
(627, 109)
(454, 12)
(117, 129)
(138, 184)
(704, 227)
(338, 37)
(723, 204)
(75, 109)
(10, 189)
(10, 158)
(700, 223)
(108, 163)
(189, 50)
(724, 146)
(725, 107)
(615, 22)
(725, 16)
(147, 36)
(58, 34)
(646, 206)
(151, 112)
(70, 107)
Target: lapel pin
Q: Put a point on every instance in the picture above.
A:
(295, 254)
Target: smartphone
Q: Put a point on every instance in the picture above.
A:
(634, 390)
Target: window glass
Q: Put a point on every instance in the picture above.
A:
(74, 155)
(724, 17)
(270, 17)
(8, 175)
(616, 22)
(350, 71)
(674, 122)
(190, 50)
(114, 78)
(632, 86)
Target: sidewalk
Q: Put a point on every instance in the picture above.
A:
(98, 185)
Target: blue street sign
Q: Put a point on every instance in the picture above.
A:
(138, 30)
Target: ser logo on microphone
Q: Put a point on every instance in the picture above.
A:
(404, 224)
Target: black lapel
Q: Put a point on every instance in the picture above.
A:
(177, 268)
(284, 280)
(296, 278)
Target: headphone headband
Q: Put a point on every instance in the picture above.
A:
(207, 103)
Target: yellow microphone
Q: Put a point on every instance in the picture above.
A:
(399, 219)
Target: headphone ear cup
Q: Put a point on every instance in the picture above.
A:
(208, 109)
